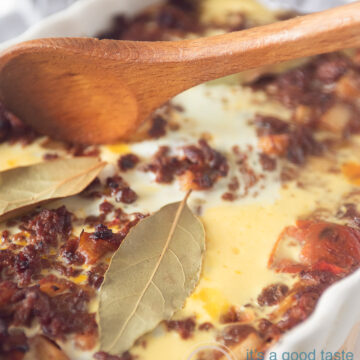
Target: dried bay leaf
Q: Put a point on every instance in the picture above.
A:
(24, 187)
(150, 276)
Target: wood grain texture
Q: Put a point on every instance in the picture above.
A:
(91, 91)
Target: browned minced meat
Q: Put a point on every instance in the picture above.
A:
(268, 330)
(174, 19)
(57, 315)
(184, 327)
(120, 190)
(158, 127)
(96, 275)
(234, 184)
(272, 294)
(300, 139)
(94, 220)
(308, 84)
(204, 164)
(13, 129)
(234, 334)
(49, 227)
(59, 306)
(93, 190)
(324, 278)
(128, 162)
(83, 150)
(306, 298)
(229, 196)
(234, 315)
(348, 211)
(267, 162)
(324, 84)
(69, 252)
(106, 207)
(46, 229)
(21, 301)
(12, 341)
(206, 326)
(315, 87)
(164, 166)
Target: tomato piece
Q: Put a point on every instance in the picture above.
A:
(324, 246)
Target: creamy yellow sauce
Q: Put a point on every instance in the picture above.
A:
(239, 243)
(239, 235)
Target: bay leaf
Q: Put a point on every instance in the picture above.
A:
(24, 187)
(150, 276)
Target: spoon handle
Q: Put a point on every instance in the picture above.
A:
(214, 57)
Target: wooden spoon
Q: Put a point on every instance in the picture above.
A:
(91, 91)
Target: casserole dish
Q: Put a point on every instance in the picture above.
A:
(334, 323)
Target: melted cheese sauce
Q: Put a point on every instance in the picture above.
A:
(239, 235)
(239, 242)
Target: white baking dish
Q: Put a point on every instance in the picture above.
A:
(335, 322)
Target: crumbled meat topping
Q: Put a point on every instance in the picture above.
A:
(199, 167)
(28, 293)
(121, 190)
(272, 294)
(234, 334)
(267, 162)
(158, 127)
(185, 327)
(12, 129)
(321, 96)
(165, 22)
(278, 137)
(128, 162)
(207, 326)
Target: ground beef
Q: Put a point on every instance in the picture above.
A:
(128, 162)
(69, 252)
(185, 327)
(164, 22)
(119, 188)
(348, 211)
(235, 334)
(60, 306)
(96, 275)
(14, 130)
(58, 315)
(297, 141)
(200, 166)
(106, 207)
(5, 127)
(269, 331)
(308, 84)
(272, 294)
(103, 233)
(158, 127)
(49, 227)
(267, 162)
(270, 125)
